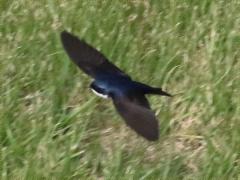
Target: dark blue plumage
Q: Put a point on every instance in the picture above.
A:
(121, 86)
(109, 81)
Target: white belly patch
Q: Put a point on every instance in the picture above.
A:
(100, 95)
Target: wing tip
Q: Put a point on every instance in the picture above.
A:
(66, 36)
(69, 39)
(153, 136)
(64, 33)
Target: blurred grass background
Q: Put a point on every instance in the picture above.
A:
(53, 127)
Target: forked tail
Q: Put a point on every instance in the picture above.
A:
(159, 91)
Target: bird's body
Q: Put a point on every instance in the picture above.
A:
(110, 82)
(115, 86)
(112, 85)
(121, 86)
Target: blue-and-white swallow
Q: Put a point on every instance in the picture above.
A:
(128, 96)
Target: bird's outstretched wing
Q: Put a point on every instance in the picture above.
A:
(141, 100)
(90, 60)
(139, 118)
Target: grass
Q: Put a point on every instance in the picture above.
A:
(53, 127)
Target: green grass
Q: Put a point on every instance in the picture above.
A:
(53, 127)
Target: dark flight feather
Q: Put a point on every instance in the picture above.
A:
(139, 118)
(90, 60)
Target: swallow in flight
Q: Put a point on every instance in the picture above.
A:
(128, 96)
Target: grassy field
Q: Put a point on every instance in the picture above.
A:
(53, 127)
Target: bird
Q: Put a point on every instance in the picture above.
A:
(128, 96)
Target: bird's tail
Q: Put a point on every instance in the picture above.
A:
(159, 91)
